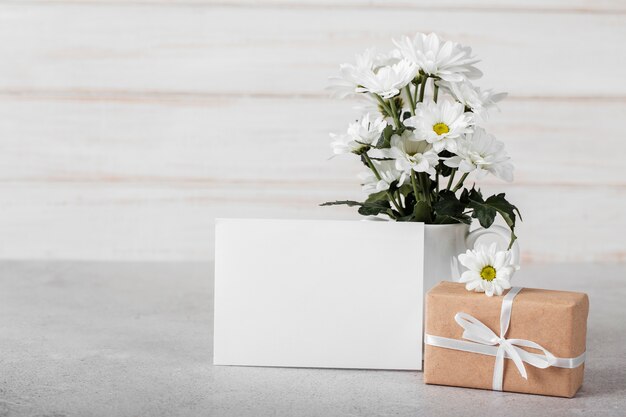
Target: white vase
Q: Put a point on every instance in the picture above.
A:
(444, 242)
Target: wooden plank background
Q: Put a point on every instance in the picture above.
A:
(127, 126)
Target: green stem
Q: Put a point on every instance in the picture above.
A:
(414, 184)
(425, 186)
(394, 113)
(423, 88)
(437, 180)
(435, 91)
(377, 174)
(372, 166)
(411, 102)
(383, 104)
(460, 183)
(451, 179)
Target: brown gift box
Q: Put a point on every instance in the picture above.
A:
(557, 320)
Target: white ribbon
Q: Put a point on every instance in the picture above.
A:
(481, 339)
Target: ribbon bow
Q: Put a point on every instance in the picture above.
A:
(481, 339)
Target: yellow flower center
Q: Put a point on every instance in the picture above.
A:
(441, 128)
(488, 273)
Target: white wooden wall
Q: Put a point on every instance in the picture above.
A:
(127, 126)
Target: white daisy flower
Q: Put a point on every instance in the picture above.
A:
(448, 60)
(386, 81)
(360, 136)
(367, 64)
(480, 102)
(388, 174)
(482, 153)
(489, 270)
(412, 154)
(440, 123)
(345, 84)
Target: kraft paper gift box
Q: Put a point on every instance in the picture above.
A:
(460, 323)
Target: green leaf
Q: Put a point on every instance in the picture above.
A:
(367, 208)
(448, 203)
(506, 210)
(381, 195)
(472, 194)
(421, 212)
(448, 209)
(384, 141)
(485, 214)
(485, 210)
(481, 211)
(444, 170)
(349, 203)
(464, 198)
(376, 207)
(500, 203)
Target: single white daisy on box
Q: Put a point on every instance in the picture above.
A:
(477, 100)
(359, 137)
(489, 270)
(412, 154)
(440, 123)
(482, 153)
(388, 174)
(448, 60)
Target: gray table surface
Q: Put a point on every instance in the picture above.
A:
(135, 339)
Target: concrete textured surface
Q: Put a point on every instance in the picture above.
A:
(135, 339)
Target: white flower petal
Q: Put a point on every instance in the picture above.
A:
(489, 291)
(473, 285)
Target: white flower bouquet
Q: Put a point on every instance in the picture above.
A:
(420, 138)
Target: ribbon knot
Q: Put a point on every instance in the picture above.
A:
(481, 339)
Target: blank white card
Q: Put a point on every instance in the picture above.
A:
(317, 293)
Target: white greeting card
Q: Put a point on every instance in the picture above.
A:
(316, 293)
